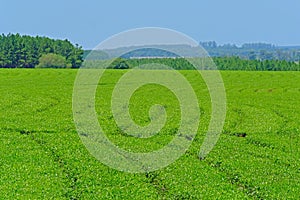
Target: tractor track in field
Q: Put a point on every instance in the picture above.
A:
(234, 178)
(249, 189)
(51, 105)
(156, 182)
(70, 176)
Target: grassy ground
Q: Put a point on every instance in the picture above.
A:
(256, 157)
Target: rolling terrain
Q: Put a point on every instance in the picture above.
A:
(256, 157)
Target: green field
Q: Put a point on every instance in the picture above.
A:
(256, 157)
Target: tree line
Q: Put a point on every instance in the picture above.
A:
(236, 63)
(221, 63)
(17, 51)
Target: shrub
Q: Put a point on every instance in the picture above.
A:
(52, 60)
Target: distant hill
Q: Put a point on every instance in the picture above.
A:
(253, 51)
(249, 51)
(142, 52)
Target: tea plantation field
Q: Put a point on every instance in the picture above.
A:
(257, 155)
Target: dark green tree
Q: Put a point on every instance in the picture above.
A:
(18, 51)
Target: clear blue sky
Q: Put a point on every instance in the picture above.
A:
(88, 22)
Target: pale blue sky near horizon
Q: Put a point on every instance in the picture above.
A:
(90, 22)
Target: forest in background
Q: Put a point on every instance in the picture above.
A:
(221, 63)
(17, 51)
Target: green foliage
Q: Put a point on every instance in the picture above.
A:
(18, 51)
(52, 60)
(236, 63)
(222, 63)
(175, 63)
(256, 157)
(119, 63)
